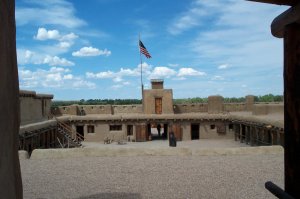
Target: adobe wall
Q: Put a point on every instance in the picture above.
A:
(266, 108)
(102, 131)
(167, 100)
(34, 107)
(186, 131)
(215, 104)
(190, 108)
(135, 108)
(249, 102)
(234, 107)
(97, 109)
(207, 132)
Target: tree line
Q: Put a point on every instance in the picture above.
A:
(263, 98)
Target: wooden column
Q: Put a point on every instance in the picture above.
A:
(10, 175)
(247, 134)
(241, 133)
(235, 131)
(292, 109)
(251, 135)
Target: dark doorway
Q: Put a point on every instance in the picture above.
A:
(129, 130)
(165, 133)
(157, 131)
(195, 133)
(80, 131)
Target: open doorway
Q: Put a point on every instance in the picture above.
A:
(158, 131)
(80, 130)
(195, 132)
(129, 130)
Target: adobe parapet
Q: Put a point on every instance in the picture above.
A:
(34, 107)
(33, 94)
(215, 105)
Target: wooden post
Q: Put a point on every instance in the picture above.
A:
(241, 133)
(235, 131)
(252, 135)
(10, 174)
(292, 109)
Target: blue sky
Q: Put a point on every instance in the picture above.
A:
(89, 49)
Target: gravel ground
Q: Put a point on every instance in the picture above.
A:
(239, 176)
(192, 144)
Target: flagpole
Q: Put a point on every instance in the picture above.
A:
(142, 85)
(141, 64)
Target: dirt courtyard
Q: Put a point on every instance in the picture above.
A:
(218, 176)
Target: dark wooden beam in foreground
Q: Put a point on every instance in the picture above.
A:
(10, 175)
(278, 2)
(292, 15)
(292, 109)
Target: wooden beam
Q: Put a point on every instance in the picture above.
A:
(10, 173)
(292, 109)
(278, 2)
(292, 15)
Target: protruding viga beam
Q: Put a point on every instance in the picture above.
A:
(278, 2)
(292, 15)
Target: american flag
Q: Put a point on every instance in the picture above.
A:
(144, 50)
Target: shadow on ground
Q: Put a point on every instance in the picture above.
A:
(113, 196)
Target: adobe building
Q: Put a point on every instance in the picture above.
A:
(66, 126)
(158, 100)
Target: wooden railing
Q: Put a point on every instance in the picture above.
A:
(73, 134)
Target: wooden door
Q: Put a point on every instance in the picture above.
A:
(221, 129)
(141, 133)
(176, 128)
(158, 105)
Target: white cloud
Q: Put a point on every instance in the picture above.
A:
(231, 41)
(189, 72)
(117, 79)
(55, 77)
(162, 72)
(100, 75)
(25, 56)
(30, 57)
(65, 41)
(56, 61)
(194, 16)
(83, 84)
(28, 54)
(59, 70)
(59, 12)
(90, 51)
(64, 44)
(68, 76)
(223, 66)
(148, 72)
(44, 34)
(68, 37)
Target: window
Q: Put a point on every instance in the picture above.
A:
(115, 127)
(230, 126)
(91, 129)
(212, 126)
